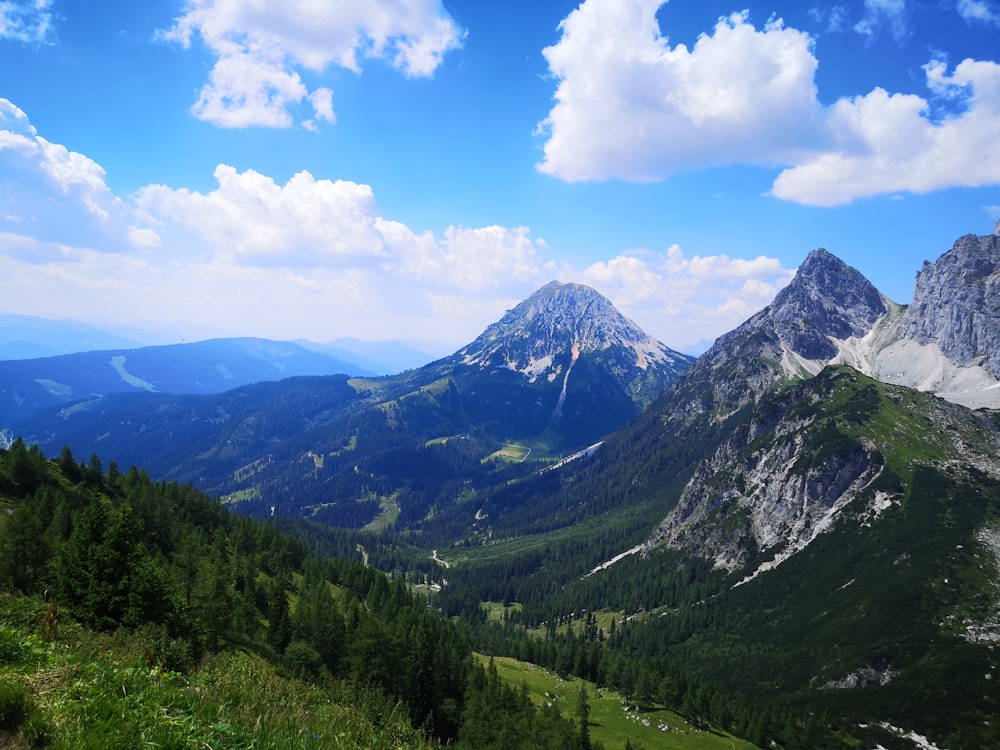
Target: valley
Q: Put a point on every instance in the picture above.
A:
(790, 540)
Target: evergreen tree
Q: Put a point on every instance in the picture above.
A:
(583, 715)
(24, 552)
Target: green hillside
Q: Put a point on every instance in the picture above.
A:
(142, 614)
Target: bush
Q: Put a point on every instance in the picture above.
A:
(12, 650)
(15, 703)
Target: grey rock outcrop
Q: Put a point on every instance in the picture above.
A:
(794, 337)
(956, 303)
(828, 299)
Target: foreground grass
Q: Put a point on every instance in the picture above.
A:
(82, 690)
(610, 722)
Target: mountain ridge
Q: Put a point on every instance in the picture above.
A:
(203, 367)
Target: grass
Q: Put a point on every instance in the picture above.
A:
(509, 452)
(88, 691)
(250, 493)
(610, 722)
(387, 516)
(590, 528)
(496, 610)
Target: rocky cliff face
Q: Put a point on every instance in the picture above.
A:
(956, 303)
(946, 342)
(794, 337)
(836, 446)
(789, 465)
(828, 300)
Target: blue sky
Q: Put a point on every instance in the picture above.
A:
(410, 168)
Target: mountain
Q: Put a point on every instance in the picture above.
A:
(782, 543)
(781, 470)
(28, 337)
(805, 537)
(564, 325)
(203, 367)
(555, 375)
(946, 342)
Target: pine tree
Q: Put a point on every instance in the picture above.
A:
(583, 714)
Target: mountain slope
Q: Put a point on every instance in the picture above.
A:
(545, 337)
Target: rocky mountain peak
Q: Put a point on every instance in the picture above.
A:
(560, 318)
(826, 299)
(545, 336)
(956, 303)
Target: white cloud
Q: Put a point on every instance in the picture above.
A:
(144, 238)
(629, 105)
(888, 13)
(255, 221)
(685, 300)
(73, 175)
(28, 21)
(979, 11)
(260, 45)
(311, 258)
(883, 143)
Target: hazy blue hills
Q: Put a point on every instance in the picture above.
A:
(202, 367)
(28, 337)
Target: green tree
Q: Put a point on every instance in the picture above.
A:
(583, 715)
(24, 552)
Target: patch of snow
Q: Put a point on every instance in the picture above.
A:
(585, 453)
(926, 368)
(794, 365)
(616, 558)
(918, 740)
(536, 367)
(883, 355)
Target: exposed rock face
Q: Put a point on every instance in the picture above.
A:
(545, 336)
(946, 342)
(956, 303)
(760, 491)
(808, 456)
(795, 336)
(828, 299)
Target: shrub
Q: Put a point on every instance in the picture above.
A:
(15, 703)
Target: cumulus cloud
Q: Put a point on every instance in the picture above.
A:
(61, 177)
(311, 257)
(683, 300)
(630, 106)
(883, 143)
(28, 21)
(259, 47)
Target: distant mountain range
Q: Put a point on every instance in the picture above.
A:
(28, 337)
(556, 374)
(204, 367)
